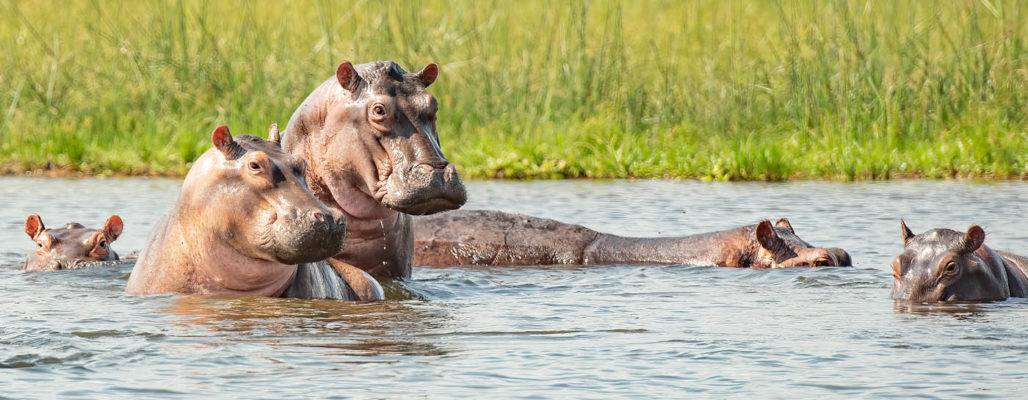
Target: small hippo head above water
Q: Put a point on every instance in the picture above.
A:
(369, 137)
(946, 265)
(780, 247)
(70, 246)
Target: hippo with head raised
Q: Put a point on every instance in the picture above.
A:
(479, 237)
(944, 265)
(242, 224)
(70, 246)
(369, 137)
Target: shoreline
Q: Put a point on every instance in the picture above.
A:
(6, 171)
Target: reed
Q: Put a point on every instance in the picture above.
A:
(735, 90)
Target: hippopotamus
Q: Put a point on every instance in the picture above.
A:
(245, 223)
(481, 237)
(368, 135)
(71, 246)
(944, 265)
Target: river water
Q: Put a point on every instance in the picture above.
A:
(612, 331)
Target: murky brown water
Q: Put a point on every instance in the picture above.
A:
(535, 332)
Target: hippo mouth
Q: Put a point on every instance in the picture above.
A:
(429, 206)
(420, 190)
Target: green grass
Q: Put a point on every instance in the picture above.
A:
(747, 90)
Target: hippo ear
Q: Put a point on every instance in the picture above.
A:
(222, 140)
(784, 224)
(273, 134)
(768, 238)
(907, 234)
(34, 225)
(428, 74)
(348, 77)
(112, 229)
(973, 239)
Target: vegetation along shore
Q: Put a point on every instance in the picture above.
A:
(716, 90)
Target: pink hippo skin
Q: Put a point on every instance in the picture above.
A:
(242, 223)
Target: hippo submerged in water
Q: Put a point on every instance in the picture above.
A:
(242, 224)
(70, 246)
(482, 237)
(369, 137)
(947, 265)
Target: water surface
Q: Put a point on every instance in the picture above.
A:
(657, 332)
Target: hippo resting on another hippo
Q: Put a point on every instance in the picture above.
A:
(369, 137)
(496, 238)
(242, 223)
(946, 265)
(70, 246)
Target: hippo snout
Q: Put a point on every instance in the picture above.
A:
(302, 236)
(426, 188)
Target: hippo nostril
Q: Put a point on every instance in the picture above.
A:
(432, 166)
(335, 215)
(426, 168)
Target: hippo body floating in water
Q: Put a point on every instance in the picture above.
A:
(71, 246)
(479, 237)
(944, 265)
(245, 223)
(369, 138)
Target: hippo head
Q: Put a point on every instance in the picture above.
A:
(379, 145)
(253, 197)
(779, 247)
(70, 246)
(946, 265)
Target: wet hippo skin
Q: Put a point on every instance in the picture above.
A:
(70, 246)
(369, 138)
(372, 152)
(947, 265)
(482, 237)
(245, 223)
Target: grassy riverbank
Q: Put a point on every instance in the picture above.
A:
(706, 89)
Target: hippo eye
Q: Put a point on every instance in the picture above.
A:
(378, 110)
(255, 166)
(103, 243)
(950, 269)
(39, 244)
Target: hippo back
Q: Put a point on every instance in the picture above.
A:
(1017, 273)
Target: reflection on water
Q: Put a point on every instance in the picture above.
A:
(370, 328)
(957, 310)
(615, 331)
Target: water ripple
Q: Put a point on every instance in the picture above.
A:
(535, 332)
